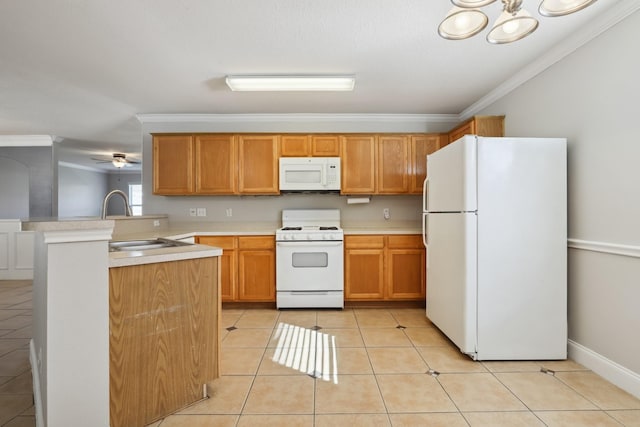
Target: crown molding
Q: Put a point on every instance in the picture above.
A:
(600, 24)
(297, 118)
(26, 140)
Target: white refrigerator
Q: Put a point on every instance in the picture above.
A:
(495, 229)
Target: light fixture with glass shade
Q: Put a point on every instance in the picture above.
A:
(562, 7)
(466, 19)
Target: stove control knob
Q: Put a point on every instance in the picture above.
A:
(287, 237)
(309, 237)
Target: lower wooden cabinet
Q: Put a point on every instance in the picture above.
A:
(384, 267)
(248, 267)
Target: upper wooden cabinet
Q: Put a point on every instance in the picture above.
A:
(258, 164)
(219, 164)
(215, 161)
(358, 157)
(421, 146)
(215, 164)
(478, 125)
(173, 164)
(393, 167)
(309, 145)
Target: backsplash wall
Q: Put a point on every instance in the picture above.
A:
(269, 208)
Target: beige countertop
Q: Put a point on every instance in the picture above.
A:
(128, 258)
(190, 229)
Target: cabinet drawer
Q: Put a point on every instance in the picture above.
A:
(224, 242)
(256, 242)
(363, 242)
(405, 241)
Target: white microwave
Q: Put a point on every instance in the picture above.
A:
(309, 173)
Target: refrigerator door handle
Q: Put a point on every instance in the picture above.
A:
(425, 192)
(425, 219)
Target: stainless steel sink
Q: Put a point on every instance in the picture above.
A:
(143, 245)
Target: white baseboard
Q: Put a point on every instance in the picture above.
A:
(37, 394)
(620, 376)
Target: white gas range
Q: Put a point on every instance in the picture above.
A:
(310, 259)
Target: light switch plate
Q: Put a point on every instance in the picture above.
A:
(202, 211)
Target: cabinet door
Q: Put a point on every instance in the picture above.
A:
(258, 160)
(325, 145)
(228, 264)
(294, 146)
(215, 164)
(421, 146)
(393, 167)
(173, 164)
(358, 155)
(364, 274)
(406, 267)
(256, 268)
(364, 267)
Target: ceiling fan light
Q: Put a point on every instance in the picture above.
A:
(512, 27)
(470, 4)
(462, 23)
(293, 83)
(551, 8)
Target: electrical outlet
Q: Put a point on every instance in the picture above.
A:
(229, 212)
(156, 223)
(386, 213)
(202, 211)
(192, 212)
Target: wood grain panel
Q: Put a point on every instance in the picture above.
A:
(215, 164)
(163, 337)
(294, 146)
(173, 164)
(393, 167)
(258, 159)
(421, 146)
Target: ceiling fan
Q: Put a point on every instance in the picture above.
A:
(119, 160)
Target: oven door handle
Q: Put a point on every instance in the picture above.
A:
(316, 243)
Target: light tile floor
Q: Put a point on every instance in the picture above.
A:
(374, 367)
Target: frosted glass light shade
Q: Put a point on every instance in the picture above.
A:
(511, 27)
(294, 83)
(462, 23)
(470, 4)
(552, 8)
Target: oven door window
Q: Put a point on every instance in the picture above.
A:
(309, 260)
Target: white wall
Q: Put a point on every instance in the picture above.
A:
(120, 180)
(80, 191)
(591, 97)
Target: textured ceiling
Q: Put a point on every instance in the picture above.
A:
(83, 69)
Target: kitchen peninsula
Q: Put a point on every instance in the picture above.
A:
(107, 328)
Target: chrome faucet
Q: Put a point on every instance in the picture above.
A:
(106, 201)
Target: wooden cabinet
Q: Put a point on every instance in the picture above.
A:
(215, 164)
(228, 264)
(258, 164)
(173, 164)
(256, 268)
(210, 164)
(319, 145)
(358, 164)
(405, 267)
(363, 267)
(421, 146)
(384, 267)
(163, 338)
(478, 125)
(247, 267)
(392, 166)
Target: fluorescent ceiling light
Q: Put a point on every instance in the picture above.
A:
(290, 83)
